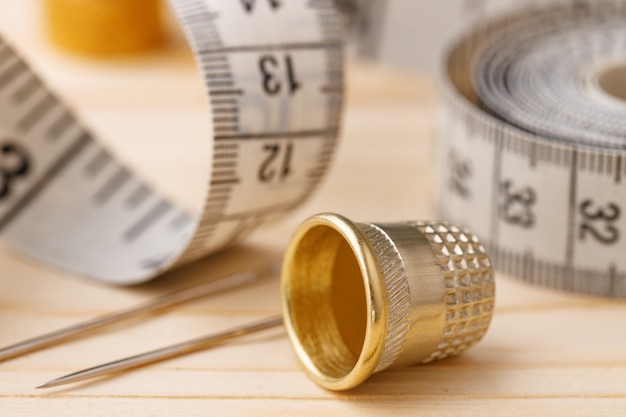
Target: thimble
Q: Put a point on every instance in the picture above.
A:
(104, 27)
(359, 298)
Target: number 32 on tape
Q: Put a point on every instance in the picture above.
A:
(540, 175)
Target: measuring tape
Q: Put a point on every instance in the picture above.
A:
(273, 72)
(533, 146)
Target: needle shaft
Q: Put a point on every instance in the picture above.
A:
(150, 307)
(165, 353)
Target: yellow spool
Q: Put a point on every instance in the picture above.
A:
(104, 27)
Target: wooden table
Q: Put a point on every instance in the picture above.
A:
(547, 353)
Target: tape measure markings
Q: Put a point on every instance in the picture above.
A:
(283, 47)
(41, 109)
(160, 209)
(12, 72)
(26, 90)
(140, 230)
(48, 176)
(552, 208)
(524, 263)
(302, 134)
(224, 132)
(235, 91)
(62, 123)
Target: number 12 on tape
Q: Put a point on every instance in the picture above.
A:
(549, 213)
(273, 74)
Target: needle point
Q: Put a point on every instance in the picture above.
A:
(165, 353)
(48, 384)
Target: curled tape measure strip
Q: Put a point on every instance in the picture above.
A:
(534, 144)
(274, 74)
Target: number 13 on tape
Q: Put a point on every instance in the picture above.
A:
(273, 73)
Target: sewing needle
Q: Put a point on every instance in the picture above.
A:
(165, 353)
(150, 307)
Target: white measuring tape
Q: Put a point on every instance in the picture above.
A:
(533, 148)
(273, 72)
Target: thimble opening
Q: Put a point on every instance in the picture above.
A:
(328, 308)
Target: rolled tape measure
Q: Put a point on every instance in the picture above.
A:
(533, 146)
(273, 72)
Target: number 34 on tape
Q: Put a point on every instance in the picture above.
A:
(541, 176)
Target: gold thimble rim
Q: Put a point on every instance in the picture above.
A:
(376, 320)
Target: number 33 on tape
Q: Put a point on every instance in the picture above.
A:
(273, 73)
(533, 156)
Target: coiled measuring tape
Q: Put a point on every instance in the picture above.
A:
(273, 72)
(533, 146)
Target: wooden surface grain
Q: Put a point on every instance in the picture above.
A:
(547, 353)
